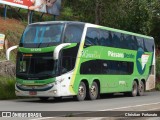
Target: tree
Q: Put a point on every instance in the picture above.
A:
(139, 16)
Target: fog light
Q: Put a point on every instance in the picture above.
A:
(53, 91)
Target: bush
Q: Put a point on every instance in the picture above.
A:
(158, 86)
(158, 67)
(7, 89)
(158, 73)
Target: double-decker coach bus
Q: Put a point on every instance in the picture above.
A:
(83, 60)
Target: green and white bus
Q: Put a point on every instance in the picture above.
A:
(65, 58)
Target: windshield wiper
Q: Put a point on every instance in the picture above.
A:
(39, 44)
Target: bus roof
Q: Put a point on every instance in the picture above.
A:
(96, 26)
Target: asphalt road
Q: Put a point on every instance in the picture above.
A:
(149, 102)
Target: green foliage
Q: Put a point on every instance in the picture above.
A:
(158, 67)
(158, 86)
(158, 73)
(2, 55)
(67, 13)
(139, 16)
(7, 89)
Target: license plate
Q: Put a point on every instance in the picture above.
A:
(32, 93)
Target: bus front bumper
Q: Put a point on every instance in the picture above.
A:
(37, 91)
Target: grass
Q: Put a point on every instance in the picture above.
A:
(7, 89)
(158, 86)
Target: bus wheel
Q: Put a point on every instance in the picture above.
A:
(43, 98)
(81, 92)
(141, 89)
(93, 91)
(134, 89)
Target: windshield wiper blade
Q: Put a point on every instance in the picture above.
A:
(39, 44)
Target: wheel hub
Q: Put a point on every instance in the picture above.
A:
(81, 91)
(93, 91)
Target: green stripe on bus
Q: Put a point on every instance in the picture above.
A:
(37, 50)
(35, 82)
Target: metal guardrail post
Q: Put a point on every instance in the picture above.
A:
(5, 11)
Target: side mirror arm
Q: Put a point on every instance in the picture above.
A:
(58, 49)
(9, 51)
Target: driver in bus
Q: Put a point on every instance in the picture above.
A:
(68, 37)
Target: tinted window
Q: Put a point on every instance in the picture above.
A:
(68, 58)
(91, 67)
(123, 41)
(127, 42)
(110, 38)
(135, 43)
(92, 36)
(131, 42)
(68, 63)
(149, 45)
(73, 33)
(35, 65)
(140, 42)
(42, 35)
(108, 67)
(116, 40)
(105, 38)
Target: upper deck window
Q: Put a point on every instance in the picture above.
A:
(42, 35)
(73, 33)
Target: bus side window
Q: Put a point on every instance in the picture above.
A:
(92, 37)
(73, 33)
(116, 40)
(149, 45)
(140, 42)
(104, 35)
(91, 67)
(66, 64)
(110, 39)
(130, 42)
(122, 40)
(105, 67)
(125, 42)
(135, 43)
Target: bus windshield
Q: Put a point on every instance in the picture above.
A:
(42, 35)
(36, 66)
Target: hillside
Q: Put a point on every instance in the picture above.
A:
(13, 29)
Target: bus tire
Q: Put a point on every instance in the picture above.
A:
(81, 92)
(141, 89)
(43, 98)
(134, 89)
(93, 91)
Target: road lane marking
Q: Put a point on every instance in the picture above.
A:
(130, 106)
(44, 118)
(151, 109)
(99, 118)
